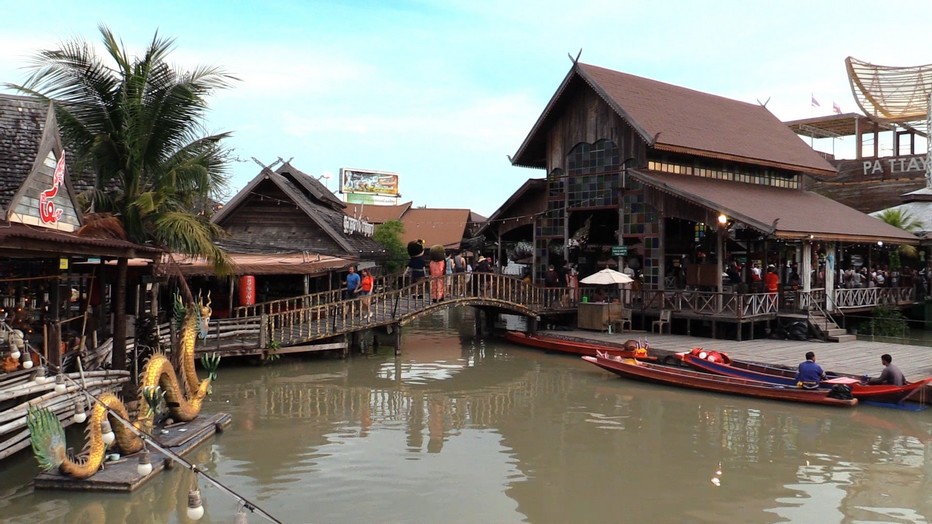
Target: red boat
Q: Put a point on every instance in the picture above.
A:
(720, 363)
(631, 348)
(688, 378)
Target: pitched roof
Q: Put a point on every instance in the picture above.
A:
(377, 214)
(21, 127)
(311, 197)
(435, 226)
(258, 264)
(528, 197)
(20, 240)
(780, 212)
(677, 119)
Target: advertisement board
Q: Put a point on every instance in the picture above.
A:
(368, 182)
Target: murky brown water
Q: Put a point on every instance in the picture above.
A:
(458, 430)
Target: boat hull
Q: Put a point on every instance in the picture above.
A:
(688, 378)
(571, 347)
(787, 377)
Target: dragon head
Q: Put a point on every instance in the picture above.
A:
(203, 311)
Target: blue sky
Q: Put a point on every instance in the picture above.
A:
(441, 92)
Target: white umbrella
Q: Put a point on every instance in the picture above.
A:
(607, 276)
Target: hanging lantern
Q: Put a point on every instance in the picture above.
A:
(145, 463)
(60, 386)
(79, 415)
(27, 360)
(195, 508)
(107, 432)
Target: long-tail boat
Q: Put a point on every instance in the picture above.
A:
(631, 348)
(720, 363)
(688, 378)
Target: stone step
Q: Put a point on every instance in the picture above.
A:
(842, 338)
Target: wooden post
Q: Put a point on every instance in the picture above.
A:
(397, 332)
(263, 331)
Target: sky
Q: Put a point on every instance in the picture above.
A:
(441, 92)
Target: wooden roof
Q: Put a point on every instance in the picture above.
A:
(22, 241)
(316, 202)
(435, 226)
(377, 214)
(256, 264)
(677, 119)
(520, 208)
(779, 212)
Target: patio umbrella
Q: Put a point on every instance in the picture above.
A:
(607, 276)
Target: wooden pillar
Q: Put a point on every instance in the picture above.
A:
(53, 331)
(397, 332)
(118, 357)
(831, 263)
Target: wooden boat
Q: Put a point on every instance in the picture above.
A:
(630, 349)
(721, 364)
(688, 378)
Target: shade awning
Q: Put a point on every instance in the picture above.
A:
(777, 212)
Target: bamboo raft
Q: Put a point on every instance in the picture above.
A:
(24, 388)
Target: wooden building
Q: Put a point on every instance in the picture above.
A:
(286, 214)
(49, 274)
(664, 177)
(444, 226)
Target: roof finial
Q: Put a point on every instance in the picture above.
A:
(575, 60)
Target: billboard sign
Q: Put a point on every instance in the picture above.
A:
(368, 182)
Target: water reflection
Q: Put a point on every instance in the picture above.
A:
(458, 429)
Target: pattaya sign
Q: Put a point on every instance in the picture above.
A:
(49, 213)
(895, 165)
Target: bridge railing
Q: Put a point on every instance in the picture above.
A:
(408, 299)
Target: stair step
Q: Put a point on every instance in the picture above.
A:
(834, 332)
(842, 338)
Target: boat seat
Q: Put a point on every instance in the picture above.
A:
(664, 320)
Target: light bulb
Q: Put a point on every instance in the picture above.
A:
(107, 432)
(145, 465)
(27, 362)
(15, 354)
(79, 415)
(60, 386)
(195, 508)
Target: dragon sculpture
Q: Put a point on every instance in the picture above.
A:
(157, 383)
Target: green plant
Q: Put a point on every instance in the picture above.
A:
(887, 322)
(388, 234)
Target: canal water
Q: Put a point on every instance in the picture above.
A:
(465, 430)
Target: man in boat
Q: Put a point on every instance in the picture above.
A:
(890, 374)
(809, 373)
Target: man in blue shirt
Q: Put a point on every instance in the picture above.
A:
(352, 282)
(809, 373)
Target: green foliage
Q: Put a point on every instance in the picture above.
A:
(902, 219)
(154, 397)
(887, 322)
(138, 123)
(388, 234)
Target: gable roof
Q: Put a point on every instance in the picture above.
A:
(780, 212)
(377, 214)
(311, 197)
(681, 120)
(435, 226)
(530, 195)
(30, 147)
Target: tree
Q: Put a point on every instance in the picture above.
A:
(902, 219)
(137, 123)
(388, 234)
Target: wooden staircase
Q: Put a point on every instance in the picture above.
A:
(827, 329)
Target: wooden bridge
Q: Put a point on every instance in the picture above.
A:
(324, 321)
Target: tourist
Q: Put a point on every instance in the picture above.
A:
(551, 278)
(364, 290)
(771, 280)
(890, 374)
(483, 268)
(809, 373)
(437, 269)
(459, 267)
(757, 278)
(352, 282)
(448, 271)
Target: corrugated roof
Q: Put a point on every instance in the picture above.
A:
(435, 226)
(783, 213)
(254, 264)
(18, 240)
(673, 118)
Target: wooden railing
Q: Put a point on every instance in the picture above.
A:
(733, 305)
(873, 296)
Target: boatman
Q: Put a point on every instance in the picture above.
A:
(890, 374)
(809, 373)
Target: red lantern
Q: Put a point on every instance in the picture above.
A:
(247, 290)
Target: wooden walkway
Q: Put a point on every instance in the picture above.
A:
(857, 357)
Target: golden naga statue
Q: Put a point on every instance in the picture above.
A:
(157, 383)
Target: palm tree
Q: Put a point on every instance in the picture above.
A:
(137, 123)
(901, 218)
